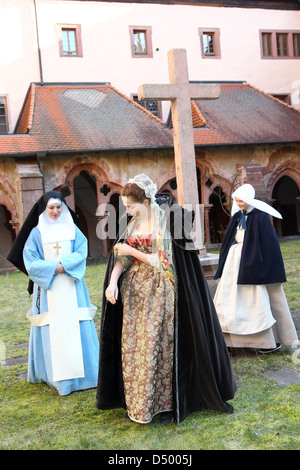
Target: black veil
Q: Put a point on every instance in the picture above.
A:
(15, 255)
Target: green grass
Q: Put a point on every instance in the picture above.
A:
(35, 417)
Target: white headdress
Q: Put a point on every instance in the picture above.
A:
(144, 182)
(161, 237)
(246, 193)
(56, 230)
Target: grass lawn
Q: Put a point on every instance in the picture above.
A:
(35, 417)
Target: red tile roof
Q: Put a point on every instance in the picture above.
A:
(197, 117)
(245, 115)
(70, 118)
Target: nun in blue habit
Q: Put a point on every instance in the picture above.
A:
(51, 250)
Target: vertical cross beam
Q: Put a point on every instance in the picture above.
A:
(180, 92)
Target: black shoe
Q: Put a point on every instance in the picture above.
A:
(166, 417)
(268, 351)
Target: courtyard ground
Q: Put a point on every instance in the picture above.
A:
(35, 417)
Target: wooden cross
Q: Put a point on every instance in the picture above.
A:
(57, 247)
(180, 92)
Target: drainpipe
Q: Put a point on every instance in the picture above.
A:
(40, 158)
(38, 44)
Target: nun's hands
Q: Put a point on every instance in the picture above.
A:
(59, 268)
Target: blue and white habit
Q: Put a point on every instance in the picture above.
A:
(63, 346)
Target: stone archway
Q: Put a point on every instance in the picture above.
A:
(286, 196)
(283, 189)
(216, 200)
(218, 216)
(210, 187)
(170, 184)
(88, 189)
(167, 183)
(9, 228)
(7, 236)
(85, 198)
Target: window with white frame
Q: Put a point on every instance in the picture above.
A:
(69, 39)
(210, 43)
(141, 41)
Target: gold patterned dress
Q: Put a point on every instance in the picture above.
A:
(147, 336)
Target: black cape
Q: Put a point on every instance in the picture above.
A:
(203, 376)
(261, 258)
(15, 255)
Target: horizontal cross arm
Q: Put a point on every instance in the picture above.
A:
(199, 91)
(157, 92)
(178, 90)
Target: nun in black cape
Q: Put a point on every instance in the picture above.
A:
(202, 374)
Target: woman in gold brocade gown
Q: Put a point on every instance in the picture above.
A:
(162, 351)
(147, 291)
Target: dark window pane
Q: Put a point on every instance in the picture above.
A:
(296, 44)
(267, 44)
(3, 126)
(282, 44)
(151, 105)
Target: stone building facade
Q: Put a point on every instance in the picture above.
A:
(63, 126)
(88, 140)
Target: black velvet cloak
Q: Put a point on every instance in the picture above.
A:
(203, 376)
(15, 255)
(261, 258)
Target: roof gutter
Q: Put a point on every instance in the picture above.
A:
(228, 144)
(42, 154)
(38, 43)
